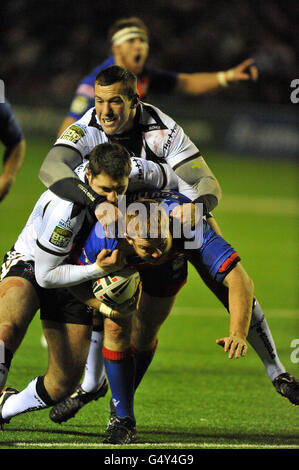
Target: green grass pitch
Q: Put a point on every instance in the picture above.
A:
(193, 396)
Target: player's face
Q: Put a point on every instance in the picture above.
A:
(131, 54)
(114, 109)
(106, 186)
(149, 252)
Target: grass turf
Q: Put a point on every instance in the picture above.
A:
(193, 396)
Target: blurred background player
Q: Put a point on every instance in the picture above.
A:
(12, 138)
(129, 39)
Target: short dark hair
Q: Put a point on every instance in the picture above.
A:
(126, 23)
(111, 158)
(114, 74)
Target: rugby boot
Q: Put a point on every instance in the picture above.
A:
(121, 431)
(113, 415)
(68, 408)
(288, 387)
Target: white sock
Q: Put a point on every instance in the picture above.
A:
(26, 400)
(94, 367)
(261, 340)
(3, 376)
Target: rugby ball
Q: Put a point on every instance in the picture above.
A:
(117, 287)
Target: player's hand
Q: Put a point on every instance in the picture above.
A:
(126, 309)
(110, 262)
(5, 185)
(234, 345)
(244, 71)
(188, 214)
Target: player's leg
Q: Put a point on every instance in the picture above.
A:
(94, 385)
(159, 288)
(67, 348)
(94, 373)
(120, 371)
(127, 356)
(151, 314)
(18, 304)
(160, 285)
(259, 337)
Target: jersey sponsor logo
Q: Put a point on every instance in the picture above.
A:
(73, 133)
(139, 167)
(65, 223)
(60, 237)
(88, 194)
(171, 137)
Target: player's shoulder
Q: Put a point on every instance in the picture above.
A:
(162, 134)
(82, 132)
(54, 207)
(153, 118)
(96, 242)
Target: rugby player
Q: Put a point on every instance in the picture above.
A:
(129, 39)
(53, 231)
(160, 287)
(149, 135)
(12, 137)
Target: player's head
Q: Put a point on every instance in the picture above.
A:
(129, 42)
(108, 170)
(147, 230)
(116, 99)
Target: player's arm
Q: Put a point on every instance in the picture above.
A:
(13, 140)
(240, 292)
(57, 173)
(198, 83)
(54, 244)
(197, 181)
(83, 292)
(194, 177)
(83, 100)
(50, 273)
(213, 224)
(68, 120)
(13, 160)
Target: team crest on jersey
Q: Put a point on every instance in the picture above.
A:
(60, 237)
(73, 133)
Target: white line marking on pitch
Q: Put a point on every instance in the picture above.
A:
(153, 445)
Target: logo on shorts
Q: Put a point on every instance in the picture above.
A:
(60, 237)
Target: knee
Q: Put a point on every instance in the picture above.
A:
(7, 330)
(10, 334)
(144, 334)
(62, 384)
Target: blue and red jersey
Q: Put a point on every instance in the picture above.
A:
(209, 248)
